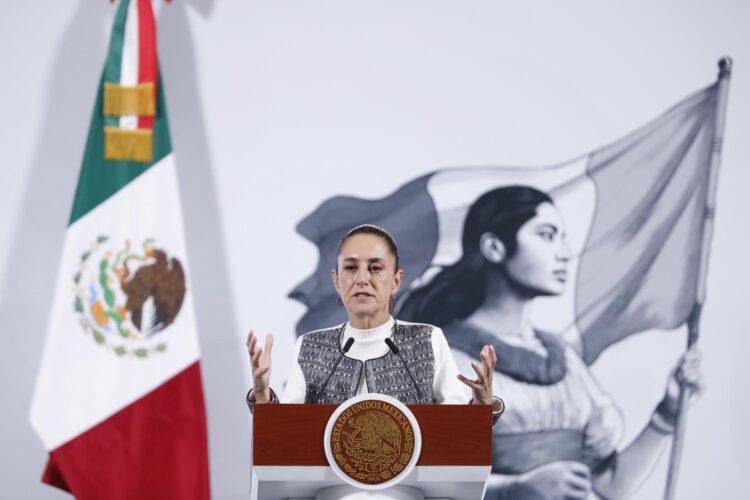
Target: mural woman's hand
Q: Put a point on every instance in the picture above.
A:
(260, 362)
(481, 388)
(687, 375)
(562, 480)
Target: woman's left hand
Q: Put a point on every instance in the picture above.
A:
(687, 375)
(481, 388)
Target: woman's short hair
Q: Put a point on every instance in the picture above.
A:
(459, 289)
(376, 231)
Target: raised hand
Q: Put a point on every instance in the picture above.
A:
(260, 362)
(481, 388)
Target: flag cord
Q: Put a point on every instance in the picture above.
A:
(693, 323)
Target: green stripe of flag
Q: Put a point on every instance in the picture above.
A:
(116, 40)
(113, 65)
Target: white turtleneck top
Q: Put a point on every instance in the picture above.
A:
(369, 344)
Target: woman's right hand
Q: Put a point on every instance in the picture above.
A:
(260, 362)
(562, 480)
(686, 375)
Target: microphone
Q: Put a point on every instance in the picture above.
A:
(394, 348)
(347, 346)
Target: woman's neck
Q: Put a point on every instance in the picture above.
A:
(505, 311)
(369, 322)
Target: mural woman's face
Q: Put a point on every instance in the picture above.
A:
(540, 263)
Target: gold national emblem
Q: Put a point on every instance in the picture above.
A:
(372, 441)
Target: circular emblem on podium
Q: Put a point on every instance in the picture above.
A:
(372, 441)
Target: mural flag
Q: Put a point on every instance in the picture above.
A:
(634, 213)
(118, 401)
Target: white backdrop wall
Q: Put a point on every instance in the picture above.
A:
(276, 106)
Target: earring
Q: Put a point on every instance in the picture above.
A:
(339, 301)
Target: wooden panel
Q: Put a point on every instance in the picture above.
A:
(455, 434)
(290, 434)
(293, 434)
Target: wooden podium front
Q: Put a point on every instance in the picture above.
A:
(290, 462)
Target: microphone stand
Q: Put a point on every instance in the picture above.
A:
(346, 348)
(394, 348)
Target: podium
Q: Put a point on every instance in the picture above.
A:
(289, 459)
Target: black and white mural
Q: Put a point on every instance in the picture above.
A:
(551, 266)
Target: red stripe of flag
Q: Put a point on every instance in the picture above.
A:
(154, 448)
(147, 59)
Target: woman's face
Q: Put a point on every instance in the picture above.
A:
(366, 276)
(540, 263)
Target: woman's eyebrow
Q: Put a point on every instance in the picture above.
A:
(376, 260)
(547, 225)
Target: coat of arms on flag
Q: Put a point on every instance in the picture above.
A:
(119, 399)
(124, 297)
(615, 241)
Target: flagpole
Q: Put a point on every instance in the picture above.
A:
(722, 91)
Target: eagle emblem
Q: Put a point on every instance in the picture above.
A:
(125, 296)
(375, 440)
(372, 441)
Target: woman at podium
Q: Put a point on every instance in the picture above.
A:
(372, 352)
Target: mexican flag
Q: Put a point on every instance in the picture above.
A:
(118, 400)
